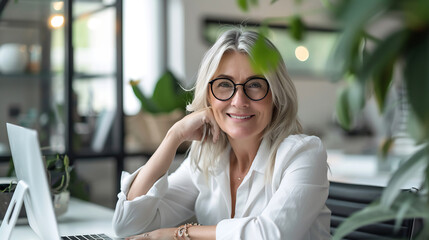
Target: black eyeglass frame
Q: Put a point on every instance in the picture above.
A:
(238, 84)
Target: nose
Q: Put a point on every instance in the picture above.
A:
(240, 99)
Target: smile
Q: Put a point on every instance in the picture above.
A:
(240, 116)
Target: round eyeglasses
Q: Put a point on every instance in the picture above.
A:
(255, 89)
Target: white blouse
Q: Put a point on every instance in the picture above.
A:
(292, 206)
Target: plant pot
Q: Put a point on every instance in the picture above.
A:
(5, 198)
(145, 131)
(60, 202)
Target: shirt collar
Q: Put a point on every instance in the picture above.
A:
(262, 157)
(259, 164)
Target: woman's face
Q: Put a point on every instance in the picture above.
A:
(240, 117)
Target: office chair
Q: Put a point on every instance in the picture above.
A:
(344, 199)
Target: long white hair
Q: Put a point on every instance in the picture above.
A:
(284, 122)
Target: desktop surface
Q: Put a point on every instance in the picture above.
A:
(81, 218)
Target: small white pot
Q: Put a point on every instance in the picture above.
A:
(13, 58)
(61, 203)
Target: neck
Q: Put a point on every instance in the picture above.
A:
(242, 153)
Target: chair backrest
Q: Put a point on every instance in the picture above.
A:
(344, 199)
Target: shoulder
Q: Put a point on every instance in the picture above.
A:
(301, 156)
(298, 147)
(300, 142)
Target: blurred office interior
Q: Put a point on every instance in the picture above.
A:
(65, 68)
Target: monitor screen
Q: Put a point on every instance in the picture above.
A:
(30, 168)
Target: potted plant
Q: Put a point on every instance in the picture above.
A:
(167, 105)
(59, 175)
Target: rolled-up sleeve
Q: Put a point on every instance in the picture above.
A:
(300, 189)
(170, 200)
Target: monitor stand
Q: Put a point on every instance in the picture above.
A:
(13, 210)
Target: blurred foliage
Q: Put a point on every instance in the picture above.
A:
(168, 95)
(369, 73)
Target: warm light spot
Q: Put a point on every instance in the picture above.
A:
(57, 21)
(302, 53)
(57, 5)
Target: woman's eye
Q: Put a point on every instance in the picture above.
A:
(254, 85)
(225, 84)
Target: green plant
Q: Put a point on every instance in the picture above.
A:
(58, 171)
(369, 73)
(168, 95)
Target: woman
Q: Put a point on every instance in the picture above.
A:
(250, 173)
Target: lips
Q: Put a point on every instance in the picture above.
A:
(239, 116)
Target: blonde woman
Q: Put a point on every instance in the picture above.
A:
(250, 173)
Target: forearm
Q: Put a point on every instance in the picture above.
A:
(156, 167)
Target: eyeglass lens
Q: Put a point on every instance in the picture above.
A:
(223, 89)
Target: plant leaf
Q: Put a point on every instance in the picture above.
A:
(415, 128)
(342, 109)
(297, 28)
(386, 146)
(376, 213)
(243, 5)
(381, 83)
(265, 59)
(146, 104)
(404, 172)
(384, 54)
(354, 14)
(167, 94)
(417, 77)
(372, 214)
(380, 64)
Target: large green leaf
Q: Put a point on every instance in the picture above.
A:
(380, 64)
(406, 171)
(375, 213)
(354, 15)
(415, 128)
(416, 75)
(350, 101)
(166, 93)
(342, 109)
(243, 5)
(384, 54)
(382, 80)
(147, 104)
(265, 59)
(296, 28)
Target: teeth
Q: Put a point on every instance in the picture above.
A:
(239, 117)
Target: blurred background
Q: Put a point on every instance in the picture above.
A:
(66, 66)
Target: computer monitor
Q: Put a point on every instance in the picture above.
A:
(32, 187)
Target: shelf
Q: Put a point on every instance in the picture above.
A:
(29, 76)
(84, 76)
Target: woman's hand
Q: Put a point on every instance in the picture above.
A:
(160, 234)
(192, 126)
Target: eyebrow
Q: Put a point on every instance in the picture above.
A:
(231, 78)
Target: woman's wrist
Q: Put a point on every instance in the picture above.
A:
(174, 137)
(182, 233)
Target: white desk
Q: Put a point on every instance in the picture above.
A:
(81, 218)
